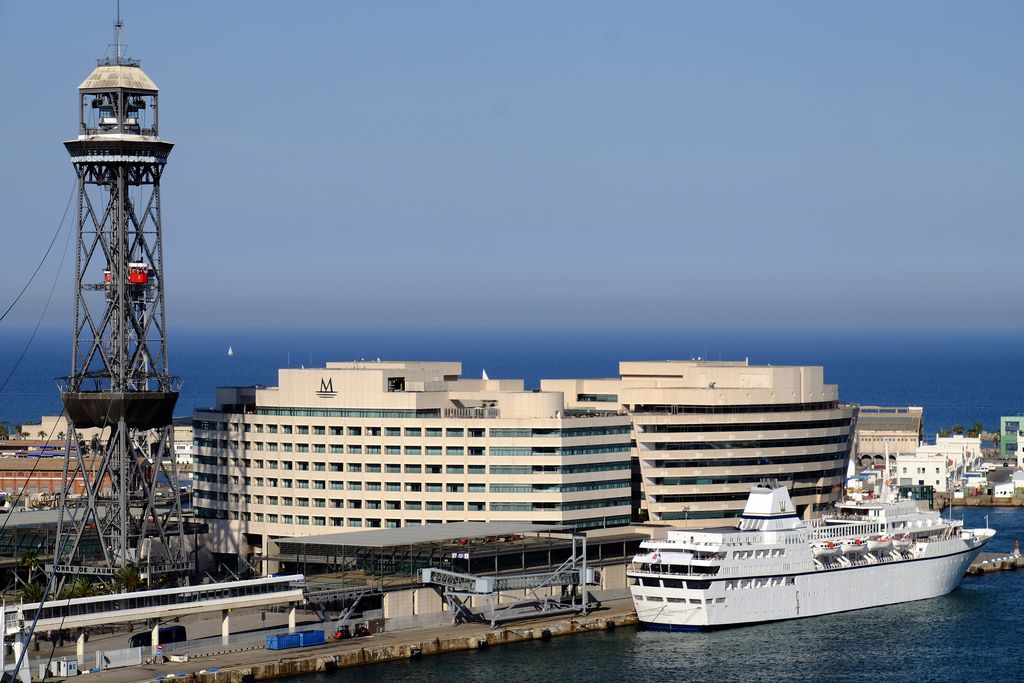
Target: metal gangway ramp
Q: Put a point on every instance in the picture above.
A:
(572, 576)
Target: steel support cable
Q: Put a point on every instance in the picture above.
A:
(67, 207)
(42, 314)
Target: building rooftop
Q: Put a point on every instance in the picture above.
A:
(429, 533)
(108, 76)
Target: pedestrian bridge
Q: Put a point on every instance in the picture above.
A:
(164, 603)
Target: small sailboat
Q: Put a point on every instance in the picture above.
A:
(231, 352)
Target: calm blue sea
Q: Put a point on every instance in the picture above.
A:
(972, 634)
(959, 377)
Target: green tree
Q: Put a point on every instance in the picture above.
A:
(958, 429)
(80, 588)
(976, 430)
(41, 434)
(5, 431)
(94, 443)
(32, 592)
(60, 436)
(128, 580)
(944, 433)
(29, 560)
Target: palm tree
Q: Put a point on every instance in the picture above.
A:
(944, 433)
(41, 434)
(32, 592)
(60, 436)
(958, 429)
(976, 430)
(29, 560)
(94, 443)
(80, 588)
(128, 580)
(5, 431)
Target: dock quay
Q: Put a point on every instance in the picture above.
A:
(996, 562)
(261, 665)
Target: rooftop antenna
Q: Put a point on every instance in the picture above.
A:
(117, 35)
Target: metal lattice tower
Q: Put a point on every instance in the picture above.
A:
(119, 374)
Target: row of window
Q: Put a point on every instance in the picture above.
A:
(669, 409)
(742, 495)
(828, 457)
(338, 449)
(798, 477)
(429, 432)
(435, 505)
(395, 468)
(742, 426)
(408, 487)
(752, 443)
(540, 507)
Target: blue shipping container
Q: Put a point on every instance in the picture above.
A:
(283, 641)
(311, 638)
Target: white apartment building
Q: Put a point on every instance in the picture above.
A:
(391, 444)
(706, 431)
(942, 464)
(924, 469)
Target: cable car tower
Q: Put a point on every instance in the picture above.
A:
(129, 513)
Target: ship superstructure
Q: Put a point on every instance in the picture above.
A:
(773, 565)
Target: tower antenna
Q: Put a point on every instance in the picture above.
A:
(117, 35)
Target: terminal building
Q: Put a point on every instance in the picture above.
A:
(706, 431)
(880, 429)
(394, 444)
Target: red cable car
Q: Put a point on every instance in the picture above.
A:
(138, 273)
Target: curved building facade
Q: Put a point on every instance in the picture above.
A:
(705, 431)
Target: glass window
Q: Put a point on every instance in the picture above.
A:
(456, 432)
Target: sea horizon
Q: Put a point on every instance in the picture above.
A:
(958, 376)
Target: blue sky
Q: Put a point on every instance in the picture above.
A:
(568, 164)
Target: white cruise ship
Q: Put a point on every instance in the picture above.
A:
(772, 565)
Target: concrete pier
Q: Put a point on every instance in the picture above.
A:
(996, 562)
(260, 665)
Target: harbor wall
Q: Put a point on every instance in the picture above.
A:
(384, 653)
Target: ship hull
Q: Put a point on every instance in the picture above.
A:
(750, 600)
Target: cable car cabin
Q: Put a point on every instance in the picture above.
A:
(138, 273)
(106, 277)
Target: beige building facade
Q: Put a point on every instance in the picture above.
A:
(390, 444)
(896, 429)
(705, 432)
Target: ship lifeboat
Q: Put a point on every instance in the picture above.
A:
(827, 549)
(853, 546)
(902, 543)
(879, 545)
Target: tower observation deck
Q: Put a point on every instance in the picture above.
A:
(130, 513)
